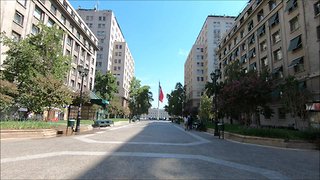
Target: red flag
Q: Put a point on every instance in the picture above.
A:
(160, 94)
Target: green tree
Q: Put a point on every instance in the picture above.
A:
(105, 85)
(205, 111)
(140, 98)
(247, 96)
(36, 64)
(176, 100)
(8, 93)
(115, 107)
(45, 92)
(294, 97)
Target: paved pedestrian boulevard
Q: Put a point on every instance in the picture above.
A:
(151, 149)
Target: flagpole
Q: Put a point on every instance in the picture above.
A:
(158, 100)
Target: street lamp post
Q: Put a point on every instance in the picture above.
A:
(214, 76)
(82, 72)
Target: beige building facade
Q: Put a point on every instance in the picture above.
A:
(283, 37)
(114, 54)
(19, 18)
(201, 61)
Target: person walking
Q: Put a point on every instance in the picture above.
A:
(185, 120)
(189, 122)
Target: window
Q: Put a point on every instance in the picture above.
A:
(77, 47)
(263, 45)
(50, 22)
(251, 39)
(277, 55)
(243, 46)
(68, 53)
(35, 30)
(63, 20)
(253, 66)
(316, 7)
(72, 83)
(252, 53)
(260, 15)
(295, 43)
(274, 20)
(119, 67)
(120, 46)
(272, 4)
(261, 31)
(276, 37)
(241, 34)
(18, 18)
(291, 5)
(53, 9)
(74, 71)
(250, 25)
(38, 13)
(264, 61)
(75, 59)
(243, 59)
(294, 24)
(120, 53)
(23, 2)
(278, 72)
(15, 36)
(297, 64)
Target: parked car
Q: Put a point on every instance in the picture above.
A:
(102, 123)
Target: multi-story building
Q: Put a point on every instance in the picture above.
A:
(201, 60)
(114, 54)
(20, 18)
(154, 113)
(283, 37)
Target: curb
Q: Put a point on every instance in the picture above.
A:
(46, 133)
(33, 133)
(275, 142)
(36, 133)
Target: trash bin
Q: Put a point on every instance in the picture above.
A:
(71, 122)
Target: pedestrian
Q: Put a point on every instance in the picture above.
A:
(185, 120)
(189, 122)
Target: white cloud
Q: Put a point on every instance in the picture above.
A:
(183, 52)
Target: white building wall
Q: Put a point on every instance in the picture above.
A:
(110, 57)
(76, 30)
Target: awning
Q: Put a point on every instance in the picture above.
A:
(290, 5)
(274, 19)
(94, 99)
(295, 43)
(295, 62)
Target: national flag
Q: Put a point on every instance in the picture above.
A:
(160, 93)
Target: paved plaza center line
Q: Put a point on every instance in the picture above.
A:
(264, 172)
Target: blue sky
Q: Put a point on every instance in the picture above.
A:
(160, 34)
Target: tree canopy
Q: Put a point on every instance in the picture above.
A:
(140, 98)
(176, 100)
(37, 66)
(105, 85)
